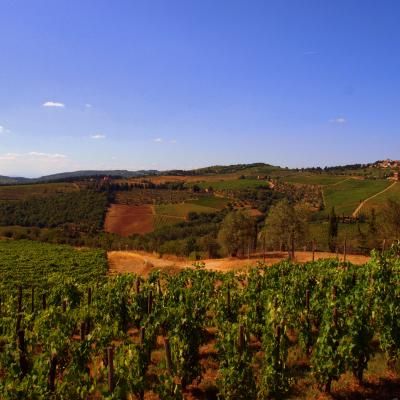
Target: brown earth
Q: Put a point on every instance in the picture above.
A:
(126, 220)
(142, 263)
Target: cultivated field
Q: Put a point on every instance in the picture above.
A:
(315, 179)
(347, 195)
(126, 220)
(181, 210)
(34, 263)
(211, 201)
(170, 329)
(377, 202)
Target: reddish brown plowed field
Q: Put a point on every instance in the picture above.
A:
(126, 220)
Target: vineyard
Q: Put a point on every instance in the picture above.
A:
(25, 262)
(197, 334)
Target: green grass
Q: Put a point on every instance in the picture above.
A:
(378, 201)
(211, 201)
(315, 179)
(181, 210)
(347, 195)
(33, 263)
(22, 192)
(233, 184)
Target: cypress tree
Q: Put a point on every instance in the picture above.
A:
(332, 230)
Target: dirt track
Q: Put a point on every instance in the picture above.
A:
(143, 263)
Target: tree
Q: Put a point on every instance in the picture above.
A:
(210, 246)
(390, 220)
(373, 237)
(236, 233)
(286, 225)
(333, 230)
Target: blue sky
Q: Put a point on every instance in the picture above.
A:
(182, 84)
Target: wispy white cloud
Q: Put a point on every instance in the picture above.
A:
(158, 140)
(88, 105)
(173, 141)
(4, 130)
(98, 136)
(46, 155)
(338, 120)
(53, 104)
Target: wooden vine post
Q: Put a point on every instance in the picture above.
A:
(82, 331)
(150, 302)
(52, 372)
(228, 302)
(20, 299)
(23, 362)
(64, 306)
(18, 324)
(168, 357)
(137, 286)
(110, 362)
(159, 287)
(345, 250)
(44, 305)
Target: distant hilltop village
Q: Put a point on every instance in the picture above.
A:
(392, 164)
